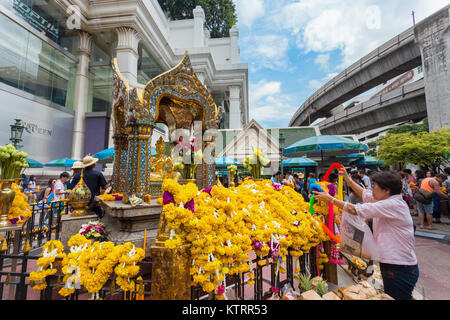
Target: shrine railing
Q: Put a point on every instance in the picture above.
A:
(266, 276)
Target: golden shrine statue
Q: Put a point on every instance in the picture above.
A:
(162, 165)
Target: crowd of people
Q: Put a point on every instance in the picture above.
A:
(56, 190)
(387, 201)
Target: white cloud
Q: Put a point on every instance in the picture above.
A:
(353, 27)
(264, 88)
(269, 105)
(269, 51)
(249, 10)
(322, 60)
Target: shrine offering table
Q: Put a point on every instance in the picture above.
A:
(125, 223)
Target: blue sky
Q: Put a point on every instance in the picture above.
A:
(293, 47)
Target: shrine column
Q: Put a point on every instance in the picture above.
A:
(235, 107)
(81, 94)
(433, 37)
(127, 53)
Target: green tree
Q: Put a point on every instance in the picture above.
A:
(220, 14)
(428, 150)
(413, 128)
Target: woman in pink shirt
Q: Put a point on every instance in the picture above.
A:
(393, 230)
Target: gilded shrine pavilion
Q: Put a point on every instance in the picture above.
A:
(176, 98)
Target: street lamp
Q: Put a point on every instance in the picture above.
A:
(16, 133)
(282, 140)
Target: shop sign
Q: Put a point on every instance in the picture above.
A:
(35, 19)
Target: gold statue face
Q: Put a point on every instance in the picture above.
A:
(161, 146)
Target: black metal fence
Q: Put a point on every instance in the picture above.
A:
(21, 246)
(239, 283)
(17, 261)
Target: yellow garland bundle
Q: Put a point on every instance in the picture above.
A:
(226, 222)
(20, 209)
(88, 265)
(109, 197)
(72, 279)
(47, 263)
(127, 268)
(96, 265)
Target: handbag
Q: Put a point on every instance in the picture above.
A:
(423, 196)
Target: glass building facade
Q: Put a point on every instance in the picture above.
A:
(29, 62)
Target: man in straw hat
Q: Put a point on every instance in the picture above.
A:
(94, 180)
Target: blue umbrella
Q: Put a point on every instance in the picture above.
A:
(299, 162)
(34, 163)
(225, 161)
(368, 161)
(66, 162)
(321, 146)
(107, 155)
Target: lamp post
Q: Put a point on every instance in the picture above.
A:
(282, 140)
(16, 133)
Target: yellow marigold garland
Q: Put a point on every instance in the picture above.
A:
(51, 251)
(20, 209)
(72, 279)
(96, 265)
(227, 224)
(127, 268)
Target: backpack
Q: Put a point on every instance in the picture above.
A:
(41, 196)
(423, 196)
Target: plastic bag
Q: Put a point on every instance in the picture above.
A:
(356, 237)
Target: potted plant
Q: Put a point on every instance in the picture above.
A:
(94, 230)
(193, 156)
(12, 164)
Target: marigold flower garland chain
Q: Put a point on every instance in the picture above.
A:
(89, 265)
(224, 225)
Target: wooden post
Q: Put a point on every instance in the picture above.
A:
(330, 267)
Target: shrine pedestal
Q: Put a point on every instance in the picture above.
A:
(125, 223)
(72, 225)
(171, 279)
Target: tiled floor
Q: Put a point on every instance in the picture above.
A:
(434, 266)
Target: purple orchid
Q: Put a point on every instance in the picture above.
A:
(168, 198)
(190, 205)
(257, 244)
(207, 190)
(277, 186)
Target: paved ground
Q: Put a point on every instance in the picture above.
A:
(433, 254)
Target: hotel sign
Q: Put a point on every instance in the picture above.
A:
(33, 128)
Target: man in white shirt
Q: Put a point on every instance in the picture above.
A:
(59, 190)
(365, 178)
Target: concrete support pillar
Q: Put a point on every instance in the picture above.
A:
(235, 51)
(81, 94)
(235, 107)
(433, 38)
(199, 22)
(127, 53)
